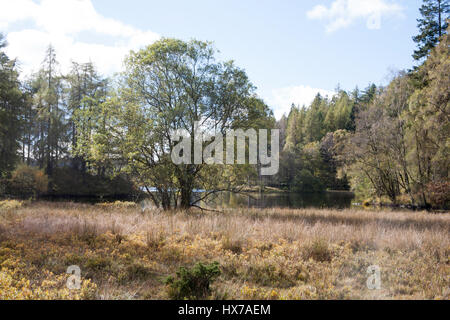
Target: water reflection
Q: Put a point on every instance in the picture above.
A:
(337, 200)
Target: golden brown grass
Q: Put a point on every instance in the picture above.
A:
(264, 254)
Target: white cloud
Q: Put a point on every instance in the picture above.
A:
(282, 99)
(60, 22)
(342, 13)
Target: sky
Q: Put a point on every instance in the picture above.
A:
(290, 49)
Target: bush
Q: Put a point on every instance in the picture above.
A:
(438, 194)
(27, 181)
(233, 245)
(367, 203)
(71, 182)
(134, 272)
(10, 204)
(194, 283)
(269, 275)
(154, 239)
(318, 250)
(117, 205)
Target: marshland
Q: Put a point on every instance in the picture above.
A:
(126, 253)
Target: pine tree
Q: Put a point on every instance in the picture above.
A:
(86, 91)
(51, 128)
(11, 103)
(432, 26)
(314, 122)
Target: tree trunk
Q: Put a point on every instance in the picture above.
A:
(440, 18)
(186, 195)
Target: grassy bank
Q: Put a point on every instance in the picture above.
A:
(263, 254)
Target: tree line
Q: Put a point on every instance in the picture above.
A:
(384, 142)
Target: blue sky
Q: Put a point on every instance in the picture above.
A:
(290, 49)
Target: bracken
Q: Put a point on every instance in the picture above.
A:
(263, 254)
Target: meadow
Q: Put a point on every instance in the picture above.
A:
(125, 253)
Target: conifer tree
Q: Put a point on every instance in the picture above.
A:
(432, 26)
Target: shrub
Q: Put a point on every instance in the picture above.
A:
(318, 250)
(10, 204)
(155, 240)
(86, 232)
(27, 181)
(438, 194)
(72, 182)
(117, 205)
(367, 203)
(194, 283)
(269, 275)
(98, 264)
(134, 272)
(233, 245)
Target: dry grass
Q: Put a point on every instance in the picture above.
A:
(264, 254)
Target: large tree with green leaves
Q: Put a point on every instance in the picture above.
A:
(432, 26)
(170, 86)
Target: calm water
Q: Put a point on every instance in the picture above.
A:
(337, 200)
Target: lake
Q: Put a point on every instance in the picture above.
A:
(332, 199)
(335, 200)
